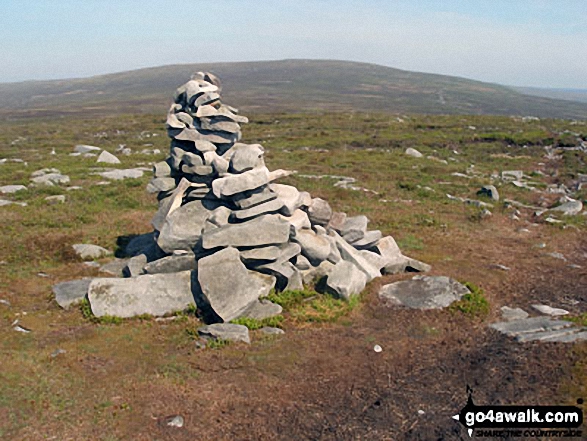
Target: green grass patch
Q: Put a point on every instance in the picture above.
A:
(217, 343)
(473, 304)
(580, 319)
(254, 324)
(289, 299)
(324, 309)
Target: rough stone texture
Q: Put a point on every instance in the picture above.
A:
(56, 199)
(352, 255)
(268, 330)
(115, 268)
(423, 292)
(258, 196)
(346, 280)
(530, 325)
(135, 266)
(50, 179)
(509, 314)
(299, 220)
(289, 196)
(314, 247)
(570, 207)
(90, 252)
(10, 189)
(262, 309)
(264, 230)
(512, 175)
(131, 173)
(229, 297)
(80, 148)
(225, 331)
(71, 293)
(232, 184)
(183, 227)
(269, 207)
(319, 212)
(157, 295)
(315, 274)
(369, 240)
(108, 158)
(354, 228)
(489, 191)
(413, 153)
(172, 264)
(244, 157)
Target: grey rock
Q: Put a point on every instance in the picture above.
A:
(244, 157)
(530, 325)
(509, 314)
(183, 227)
(489, 191)
(337, 221)
(220, 216)
(289, 196)
(204, 146)
(269, 207)
(232, 184)
(156, 294)
(135, 266)
(161, 184)
(566, 335)
(115, 268)
(169, 204)
(230, 297)
(264, 230)
(262, 309)
(350, 254)
(131, 173)
(298, 221)
(225, 331)
(71, 293)
(302, 263)
(269, 253)
(90, 252)
(10, 189)
(316, 248)
(81, 149)
(251, 198)
(354, 228)
(50, 179)
(219, 124)
(56, 199)
(415, 266)
(569, 208)
(423, 292)
(172, 264)
(162, 169)
(548, 310)
(4, 202)
(296, 281)
(108, 158)
(319, 212)
(44, 171)
(375, 259)
(315, 274)
(334, 255)
(388, 248)
(369, 240)
(413, 153)
(346, 280)
(512, 175)
(283, 271)
(268, 330)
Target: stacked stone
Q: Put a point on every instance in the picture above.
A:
(230, 234)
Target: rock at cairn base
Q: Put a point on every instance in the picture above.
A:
(226, 233)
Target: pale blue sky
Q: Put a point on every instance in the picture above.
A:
(517, 42)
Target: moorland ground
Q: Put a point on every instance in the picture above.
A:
(322, 379)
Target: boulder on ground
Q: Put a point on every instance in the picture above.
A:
(346, 280)
(225, 331)
(90, 252)
(423, 292)
(71, 292)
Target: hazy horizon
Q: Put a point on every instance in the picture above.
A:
(527, 43)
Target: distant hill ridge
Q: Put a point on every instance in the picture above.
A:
(287, 85)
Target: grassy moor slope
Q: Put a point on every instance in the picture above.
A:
(287, 85)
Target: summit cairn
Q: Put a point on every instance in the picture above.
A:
(230, 233)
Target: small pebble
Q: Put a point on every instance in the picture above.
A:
(377, 348)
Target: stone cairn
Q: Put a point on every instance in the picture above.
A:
(226, 234)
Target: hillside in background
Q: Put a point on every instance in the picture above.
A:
(559, 94)
(288, 85)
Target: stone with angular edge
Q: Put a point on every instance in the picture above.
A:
(512, 175)
(316, 248)
(262, 309)
(299, 220)
(172, 264)
(423, 292)
(233, 184)
(377, 260)
(90, 252)
(263, 230)
(549, 310)
(258, 196)
(489, 191)
(162, 169)
(156, 295)
(50, 179)
(80, 148)
(319, 212)
(161, 184)
(108, 158)
(316, 273)
(509, 314)
(302, 263)
(337, 221)
(135, 266)
(183, 227)
(570, 207)
(271, 253)
(220, 216)
(171, 203)
(354, 228)
(220, 124)
(289, 195)
(350, 254)
(71, 292)
(115, 268)
(131, 173)
(530, 325)
(346, 280)
(226, 331)
(269, 330)
(369, 240)
(227, 286)
(272, 206)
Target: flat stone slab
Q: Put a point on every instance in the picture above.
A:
(509, 314)
(530, 325)
(130, 173)
(262, 309)
(263, 230)
(115, 267)
(227, 286)
(225, 331)
(548, 310)
(157, 295)
(90, 252)
(81, 148)
(346, 280)
(10, 189)
(269, 330)
(172, 264)
(71, 292)
(108, 158)
(423, 292)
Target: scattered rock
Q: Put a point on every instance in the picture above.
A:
(413, 153)
(10, 189)
(90, 252)
(346, 280)
(131, 173)
(268, 330)
(81, 149)
(509, 314)
(108, 158)
(225, 331)
(423, 292)
(71, 293)
(548, 310)
(57, 199)
(570, 207)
